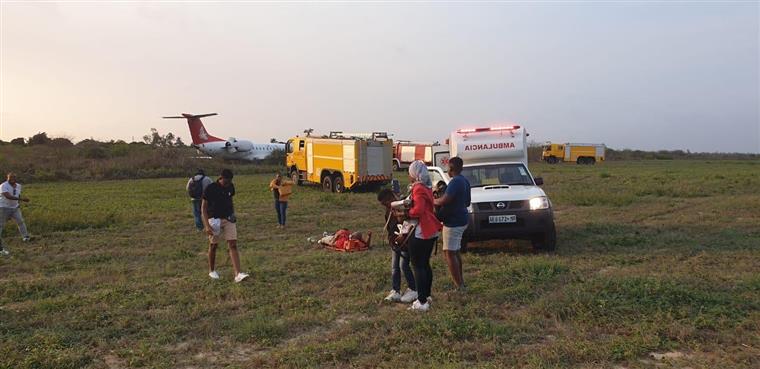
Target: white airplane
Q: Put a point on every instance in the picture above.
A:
(231, 148)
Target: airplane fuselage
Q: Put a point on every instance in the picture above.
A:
(231, 149)
(224, 150)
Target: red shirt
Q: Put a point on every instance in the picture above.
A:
(423, 210)
(341, 236)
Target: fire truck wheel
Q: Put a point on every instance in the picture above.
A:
(295, 178)
(338, 184)
(327, 184)
(395, 166)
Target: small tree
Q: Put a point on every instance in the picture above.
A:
(179, 142)
(40, 138)
(155, 139)
(18, 141)
(61, 142)
(168, 140)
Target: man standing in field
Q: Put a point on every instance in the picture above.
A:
(454, 205)
(195, 188)
(219, 221)
(10, 199)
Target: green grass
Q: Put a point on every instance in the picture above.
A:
(659, 256)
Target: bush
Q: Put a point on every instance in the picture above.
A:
(39, 139)
(61, 142)
(95, 152)
(277, 157)
(18, 141)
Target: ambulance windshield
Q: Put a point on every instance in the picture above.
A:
(498, 174)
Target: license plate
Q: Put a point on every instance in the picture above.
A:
(496, 219)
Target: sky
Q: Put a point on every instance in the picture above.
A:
(638, 75)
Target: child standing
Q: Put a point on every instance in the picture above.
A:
(399, 258)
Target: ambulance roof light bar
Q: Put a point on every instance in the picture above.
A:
(485, 129)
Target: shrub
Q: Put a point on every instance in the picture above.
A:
(61, 142)
(39, 139)
(95, 152)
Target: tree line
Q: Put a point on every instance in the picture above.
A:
(154, 138)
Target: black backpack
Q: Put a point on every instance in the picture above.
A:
(195, 189)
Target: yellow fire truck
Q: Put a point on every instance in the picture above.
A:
(341, 161)
(573, 153)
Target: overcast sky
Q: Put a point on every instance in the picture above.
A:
(631, 75)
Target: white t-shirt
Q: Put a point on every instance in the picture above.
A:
(13, 191)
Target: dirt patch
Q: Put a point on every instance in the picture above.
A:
(607, 270)
(114, 362)
(668, 355)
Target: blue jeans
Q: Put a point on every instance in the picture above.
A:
(15, 214)
(282, 211)
(197, 213)
(399, 263)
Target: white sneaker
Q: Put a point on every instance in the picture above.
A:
(409, 296)
(4, 252)
(394, 296)
(240, 277)
(417, 306)
(214, 275)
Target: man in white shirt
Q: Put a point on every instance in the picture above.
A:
(10, 199)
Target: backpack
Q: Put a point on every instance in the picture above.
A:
(195, 189)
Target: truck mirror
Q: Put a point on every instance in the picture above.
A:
(539, 181)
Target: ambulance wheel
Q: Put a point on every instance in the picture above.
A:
(338, 184)
(327, 184)
(546, 241)
(295, 177)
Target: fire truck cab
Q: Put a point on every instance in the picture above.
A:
(507, 202)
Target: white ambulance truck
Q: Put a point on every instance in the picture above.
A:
(507, 202)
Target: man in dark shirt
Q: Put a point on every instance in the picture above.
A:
(455, 202)
(219, 221)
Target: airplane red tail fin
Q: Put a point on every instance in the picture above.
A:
(197, 130)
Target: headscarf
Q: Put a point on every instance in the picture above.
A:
(419, 171)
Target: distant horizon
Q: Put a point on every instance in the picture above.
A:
(188, 142)
(646, 76)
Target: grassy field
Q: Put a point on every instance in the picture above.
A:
(655, 257)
